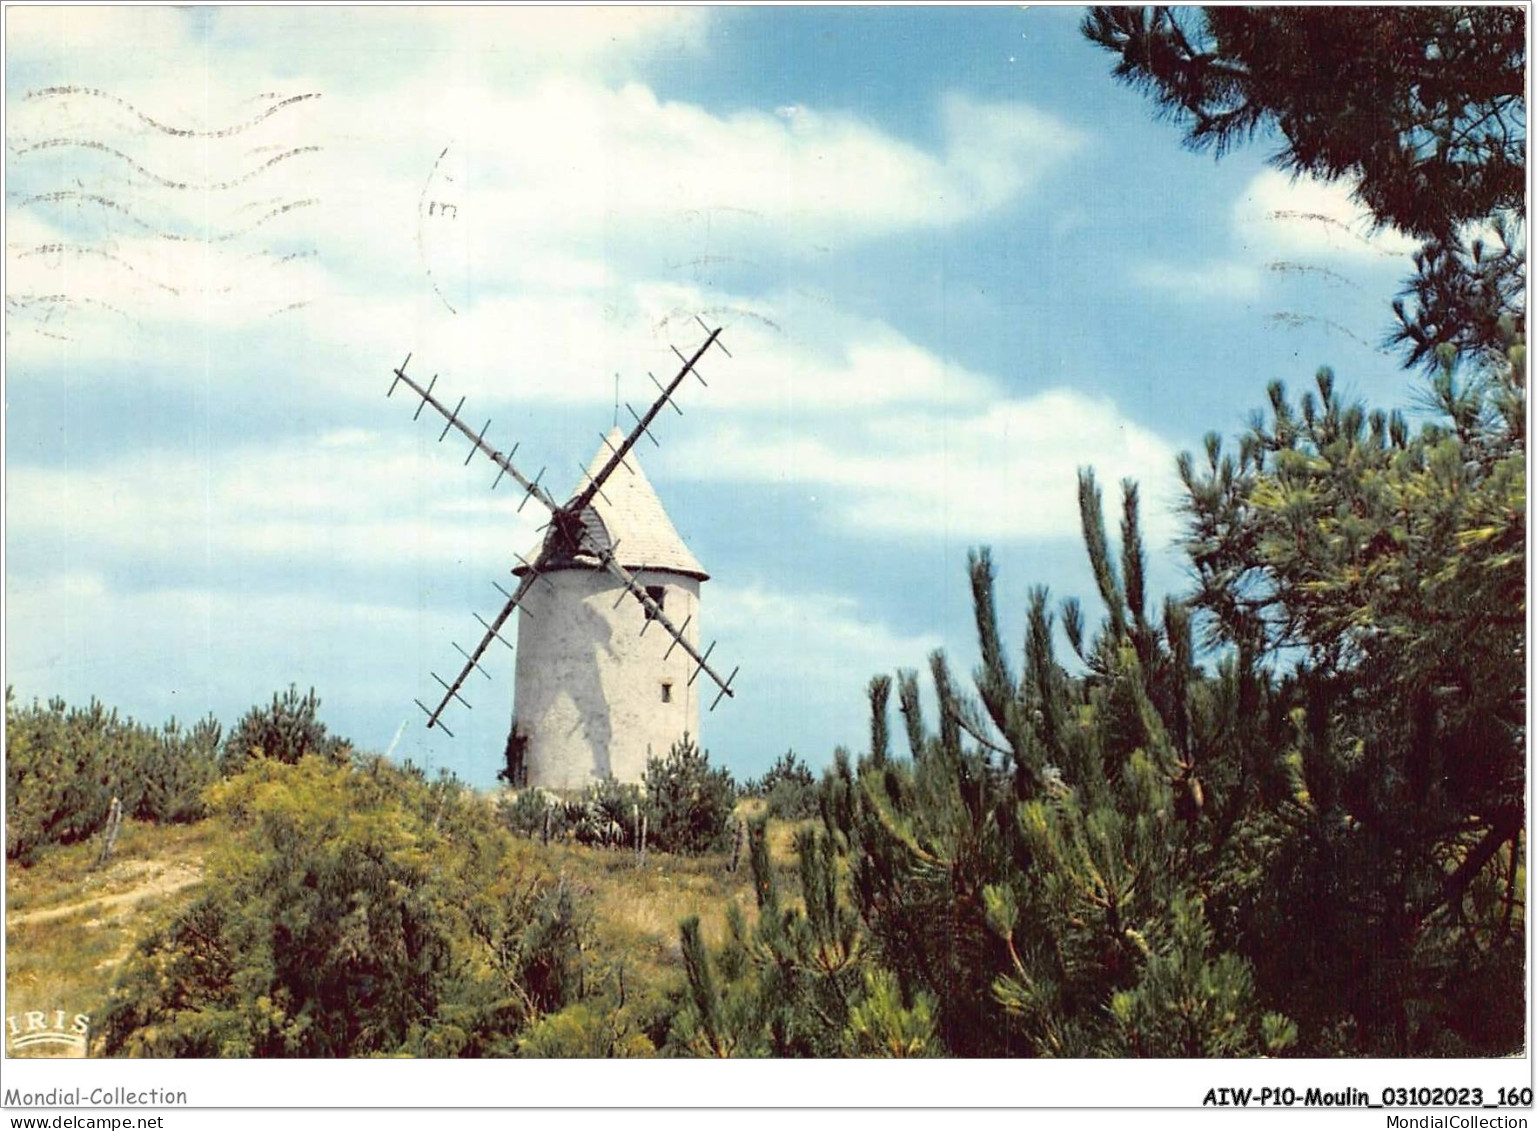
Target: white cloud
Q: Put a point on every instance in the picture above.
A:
(86, 31)
(1280, 225)
(492, 187)
(1006, 471)
(104, 44)
(1004, 148)
(558, 220)
(806, 658)
(345, 499)
(77, 620)
(828, 634)
(1282, 215)
(792, 354)
(613, 158)
(548, 36)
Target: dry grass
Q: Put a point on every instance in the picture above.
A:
(67, 875)
(637, 908)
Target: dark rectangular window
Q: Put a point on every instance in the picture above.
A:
(666, 693)
(658, 594)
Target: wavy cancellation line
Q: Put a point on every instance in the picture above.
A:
(56, 301)
(174, 131)
(1295, 321)
(61, 249)
(82, 251)
(1331, 222)
(64, 300)
(212, 186)
(107, 202)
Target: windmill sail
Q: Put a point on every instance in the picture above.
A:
(504, 462)
(472, 659)
(644, 423)
(654, 613)
(576, 531)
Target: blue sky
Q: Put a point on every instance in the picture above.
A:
(954, 259)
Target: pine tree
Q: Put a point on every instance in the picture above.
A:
(1380, 573)
(798, 981)
(1036, 871)
(286, 730)
(689, 802)
(1421, 109)
(1386, 572)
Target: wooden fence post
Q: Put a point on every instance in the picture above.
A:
(114, 823)
(736, 843)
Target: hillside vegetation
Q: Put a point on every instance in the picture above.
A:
(308, 900)
(1282, 815)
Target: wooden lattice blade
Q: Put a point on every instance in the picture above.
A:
(595, 483)
(654, 611)
(531, 487)
(472, 658)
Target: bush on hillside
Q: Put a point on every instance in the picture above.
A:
(176, 770)
(688, 803)
(788, 788)
(353, 911)
(686, 806)
(605, 815)
(529, 811)
(285, 730)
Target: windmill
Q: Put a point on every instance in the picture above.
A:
(579, 675)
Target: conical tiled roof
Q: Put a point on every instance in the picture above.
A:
(628, 513)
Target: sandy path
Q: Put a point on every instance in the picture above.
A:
(155, 885)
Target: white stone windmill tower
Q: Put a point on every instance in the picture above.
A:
(595, 694)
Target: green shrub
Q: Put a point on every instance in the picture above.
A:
(352, 910)
(685, 804)
(800, 981)
(605, 814)
(177, 769)
(688, 803)
(58, 773)
(586, 1030)
(285, 731)
(789, 789)
(527, 812)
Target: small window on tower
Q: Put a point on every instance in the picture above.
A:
(658, 594)
(666, 693)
